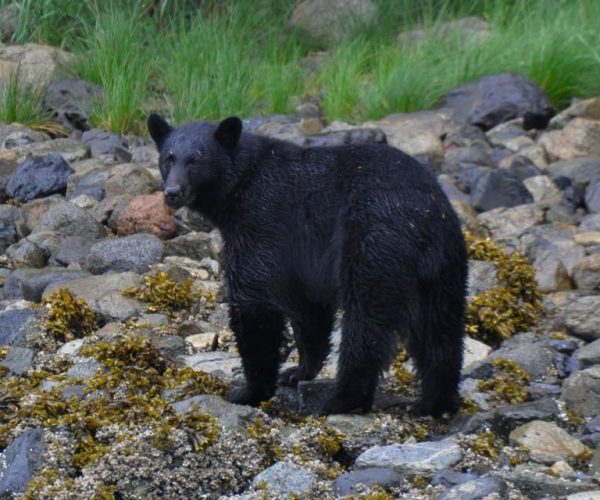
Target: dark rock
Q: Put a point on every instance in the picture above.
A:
(313, 394)
(499, 188)
(347, 482)
(104, 143)
(29, 284)
(130, 253)
(15, 324)
(38, 177)
(70, 100)
(18, 360)
(19, 462)
(523, 167)
(476, 489)
(496, 99)
(507, 418)
(91, 184)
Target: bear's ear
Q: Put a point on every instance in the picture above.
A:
(228, 132)
(159, 129)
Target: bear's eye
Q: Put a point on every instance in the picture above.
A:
(169, 158)
(192, 160)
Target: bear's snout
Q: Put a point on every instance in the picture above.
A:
(173, 195)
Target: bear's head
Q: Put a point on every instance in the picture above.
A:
(193, 157)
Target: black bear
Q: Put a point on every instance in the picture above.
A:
(306, 231)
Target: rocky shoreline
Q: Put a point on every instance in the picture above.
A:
(115, 352)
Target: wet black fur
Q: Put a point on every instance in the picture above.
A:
(307, 230)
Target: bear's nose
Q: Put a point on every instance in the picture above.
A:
(172, 193)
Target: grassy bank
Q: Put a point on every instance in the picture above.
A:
(232, 57)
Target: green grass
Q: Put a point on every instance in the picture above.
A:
(232, 57)
(21, 102)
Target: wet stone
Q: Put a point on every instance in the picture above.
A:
(18, 360)
(38, 177)
(346, 483)
(19, 462)
(285, 479)
(419, 458)
(15, 324)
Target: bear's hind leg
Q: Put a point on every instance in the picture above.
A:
(366, 350)
(436, 345)
(258, 333)
(312, 330)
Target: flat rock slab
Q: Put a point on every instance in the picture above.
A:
(228, 414)
(226, 364)
(15, 324)
(69, 149)
(19, 461)
(286, 479)
(546, 441)
(416, 458)
(104, 294)
(131, 253)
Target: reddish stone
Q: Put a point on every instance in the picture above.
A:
(147, 214)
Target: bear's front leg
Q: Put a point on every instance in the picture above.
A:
(258, 332)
